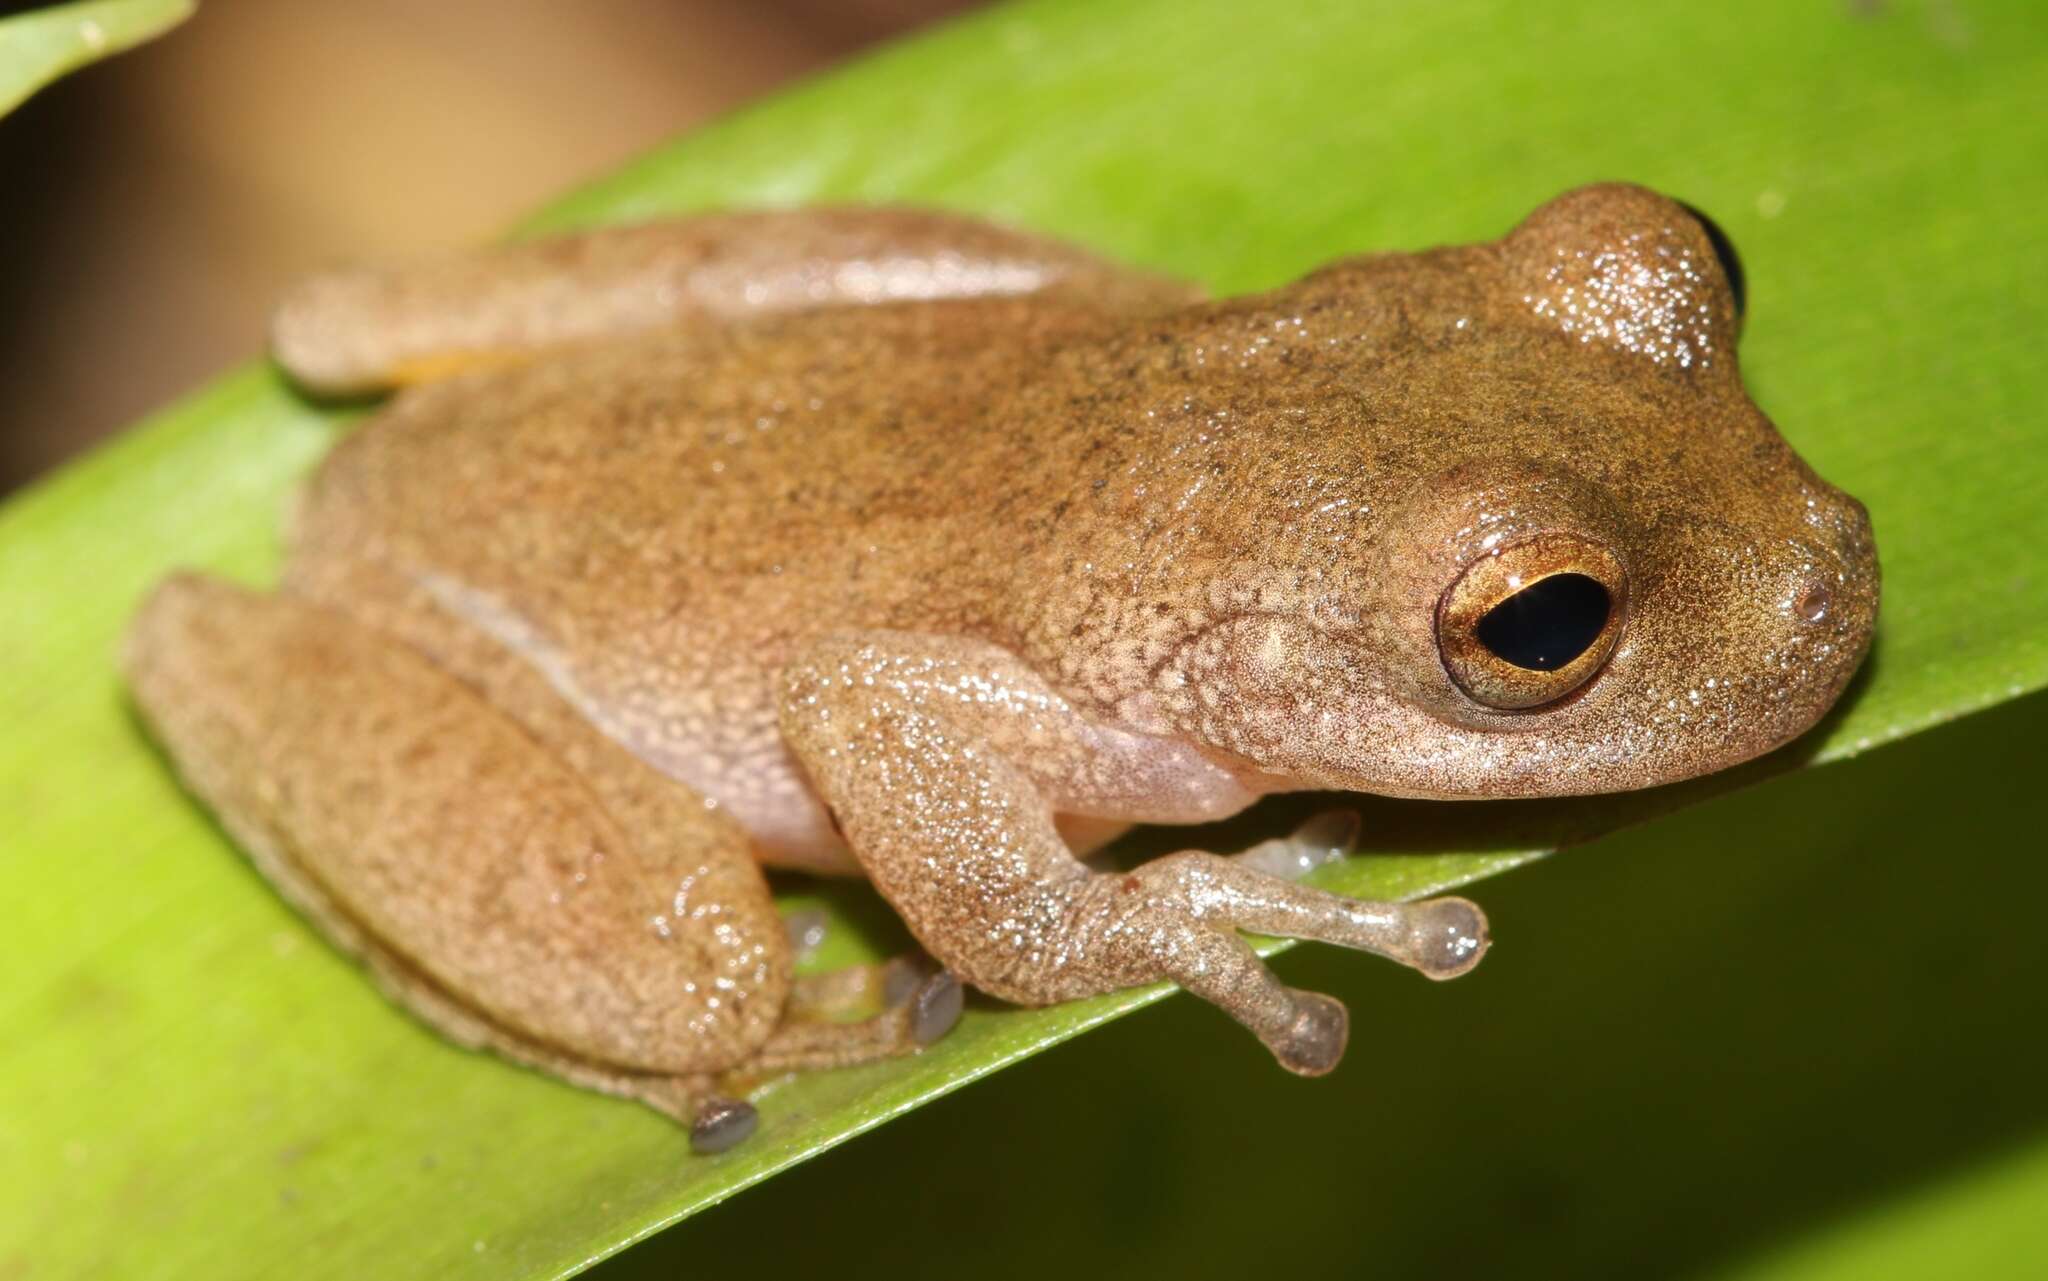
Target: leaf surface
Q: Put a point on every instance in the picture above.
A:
(38, 47)
(188, 1062)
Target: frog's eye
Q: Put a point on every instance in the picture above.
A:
(1724, 253)
(1528, 624)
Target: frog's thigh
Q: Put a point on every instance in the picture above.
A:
(368, 328)
(479, 877)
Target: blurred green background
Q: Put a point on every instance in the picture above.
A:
(1793, 1031)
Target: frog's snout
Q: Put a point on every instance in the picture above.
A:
(1841, 587)
(1853, 542)
(1826, 604)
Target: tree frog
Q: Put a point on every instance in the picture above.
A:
(898, 544)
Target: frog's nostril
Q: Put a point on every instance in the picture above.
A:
(1813, 603)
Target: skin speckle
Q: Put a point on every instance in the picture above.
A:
(898, 544)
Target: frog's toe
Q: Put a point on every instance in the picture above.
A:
(858, 990)
(1448, 936)
(903, 975)
(722, 1123)
(1315, 1042)
(923, 1004)
(935, 1007)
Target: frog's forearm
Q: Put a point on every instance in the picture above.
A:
(960, 838)
(1075, 764)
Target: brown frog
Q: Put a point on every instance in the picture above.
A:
(897, 544)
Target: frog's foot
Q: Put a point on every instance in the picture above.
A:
(1322, 839)
(709, 1105)
(852, 991)
(721, 1123)
(716, 1117)
(1176, 918)
(924, 1003)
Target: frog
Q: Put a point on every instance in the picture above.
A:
(896, 543)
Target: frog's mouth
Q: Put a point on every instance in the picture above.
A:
(1579, 749)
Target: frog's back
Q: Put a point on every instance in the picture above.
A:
(751, 464)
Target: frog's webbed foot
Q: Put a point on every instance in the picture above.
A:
(921, 1003)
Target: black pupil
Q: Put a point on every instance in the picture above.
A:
(1547, 624)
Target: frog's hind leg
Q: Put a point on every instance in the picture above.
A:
(838, 995)
(484, 883)
(921, 1003)
(362, 330)
(694, 1099)
(857, 1013)
(841, 995)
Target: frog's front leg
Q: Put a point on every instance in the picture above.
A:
(365, 329)
(944, 761)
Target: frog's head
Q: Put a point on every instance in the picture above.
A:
(1594, 564)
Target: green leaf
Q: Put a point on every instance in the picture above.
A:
(194, 1085)
(1979, 1224)
(38, 47)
